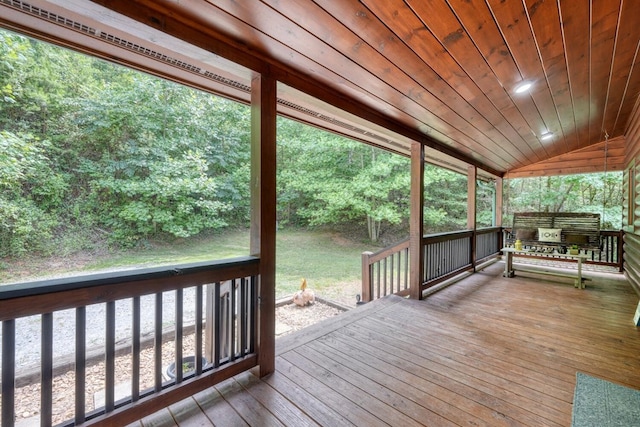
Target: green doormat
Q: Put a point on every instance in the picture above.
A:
(599, 403)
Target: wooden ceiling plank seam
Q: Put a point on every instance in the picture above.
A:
(575, 17)
(615, 63)
(415, 43)
(456, 43)
(625, 54)
(542, 95)
(548, 42)
(533, 63)
(494, 54)
(473, 78)
(445, 132)
(358, 95)
(493, 147)
(596, 165)
(631, 92)
(482, 33)
(476, 97)
(593, 165)
(415, 76)
(510, 18)
(562, 171)
(590, 158)
(513, 22)
(604, 24)
(289, 33)
(492, 91)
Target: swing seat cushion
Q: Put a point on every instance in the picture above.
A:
(550, 235)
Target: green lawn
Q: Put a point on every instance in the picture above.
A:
(325, 259)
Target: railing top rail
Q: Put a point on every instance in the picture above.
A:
(49, 286)
(382, 253)
(449, 235)
(486, 230)
(609, 232)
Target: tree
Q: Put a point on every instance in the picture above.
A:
(445, 200)
(327, 179)
(596, 193)
(27, 186)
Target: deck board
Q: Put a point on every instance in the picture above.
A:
(486, 351)
(216, 408)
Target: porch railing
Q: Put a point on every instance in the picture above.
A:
(445, 255)
(610, 253)
(386, 272)
(224, 293)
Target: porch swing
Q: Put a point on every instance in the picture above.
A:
(556, 231)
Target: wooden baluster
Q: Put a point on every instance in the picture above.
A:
(216, 325)
(158, 344)
(110, 357)
(81, 363)
(243, 316)
(46, 369)
(178, 335)
(8, 372)
(199, 327)
(135, 350)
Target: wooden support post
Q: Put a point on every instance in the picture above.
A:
(367, 284)
(416, 248)
(472, 176)
(497, 220)
(263, 211)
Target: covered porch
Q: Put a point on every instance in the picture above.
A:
(487, 351)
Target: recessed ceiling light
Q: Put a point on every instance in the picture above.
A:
(523, 87)
(546, 135)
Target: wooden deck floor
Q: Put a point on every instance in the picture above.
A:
(485, 351)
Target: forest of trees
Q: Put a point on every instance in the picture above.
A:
(94, 154)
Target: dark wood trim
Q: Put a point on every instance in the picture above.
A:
(165, 398)
(223, 269)
(499, 201)
(472, 174)
(416, 248)
(263, 210)
(449, 235)
(437, 281)
(28, 299)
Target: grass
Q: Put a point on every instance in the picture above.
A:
(325, 259)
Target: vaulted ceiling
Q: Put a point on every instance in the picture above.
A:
(389, 72)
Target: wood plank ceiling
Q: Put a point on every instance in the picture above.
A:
(440, 72)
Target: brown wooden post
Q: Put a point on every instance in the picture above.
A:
(416, 221)
(498, 213)
(367, 284)
(263, 211)
(472, 175)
